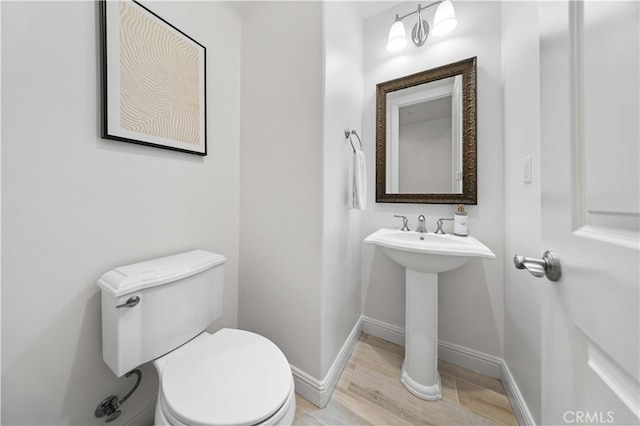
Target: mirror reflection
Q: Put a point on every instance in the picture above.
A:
(426, 136)
(424, 152)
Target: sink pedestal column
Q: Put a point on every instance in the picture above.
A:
(420, 367)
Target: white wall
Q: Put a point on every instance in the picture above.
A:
(341, 225)
(523, 292)
(299, 241)
(281, 178)
(75, 206)
(471, 297)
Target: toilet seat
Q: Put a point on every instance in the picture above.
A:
(232, 377)
(284, 416)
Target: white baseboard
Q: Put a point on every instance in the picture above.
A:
(479, 362)
(388, 332)
(470, 359)
(516, 399)
(319, 391)
(308, 387)
(143, 415)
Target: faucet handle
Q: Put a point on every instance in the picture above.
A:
(439, 223)
(404, 222)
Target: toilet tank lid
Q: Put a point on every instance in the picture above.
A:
(139, 276)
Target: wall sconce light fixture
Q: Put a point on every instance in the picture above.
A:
(443, 23)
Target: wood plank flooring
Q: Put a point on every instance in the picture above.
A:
(369, 392)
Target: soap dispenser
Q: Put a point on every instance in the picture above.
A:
(460, 226)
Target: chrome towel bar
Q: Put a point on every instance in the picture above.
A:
(347, 135)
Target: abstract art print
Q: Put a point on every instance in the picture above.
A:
(153, 80)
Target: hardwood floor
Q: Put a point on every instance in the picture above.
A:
(370, 393)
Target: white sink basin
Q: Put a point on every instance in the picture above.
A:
(428, 252)
(424, 255)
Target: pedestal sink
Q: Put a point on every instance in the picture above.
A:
(424, 255)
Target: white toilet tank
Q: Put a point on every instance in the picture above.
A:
(179, 296)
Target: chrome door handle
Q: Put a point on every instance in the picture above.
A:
(133, 301)
(549, 265)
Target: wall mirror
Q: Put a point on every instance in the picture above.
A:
(426, 136)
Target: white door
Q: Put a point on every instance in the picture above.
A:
(589, 60)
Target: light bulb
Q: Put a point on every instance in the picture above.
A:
(397, 37)
(445, 20)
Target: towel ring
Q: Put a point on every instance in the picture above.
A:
(347, 135)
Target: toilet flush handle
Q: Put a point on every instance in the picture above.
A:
(132, 301)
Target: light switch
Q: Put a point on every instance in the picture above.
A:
(526, 169)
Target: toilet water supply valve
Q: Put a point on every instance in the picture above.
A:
(109, 406)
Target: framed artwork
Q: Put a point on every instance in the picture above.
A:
(153, 80)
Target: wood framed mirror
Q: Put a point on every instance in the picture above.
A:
(426, 129)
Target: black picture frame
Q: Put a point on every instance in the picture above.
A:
(153, 80)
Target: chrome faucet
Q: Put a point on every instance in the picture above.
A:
(422, 225)
(439, 223)
(404, 222)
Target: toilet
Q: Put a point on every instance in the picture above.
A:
(158, 311)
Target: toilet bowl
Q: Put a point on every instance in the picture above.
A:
(232, 377)
(158, 310)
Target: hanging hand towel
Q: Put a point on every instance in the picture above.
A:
(359, 189)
